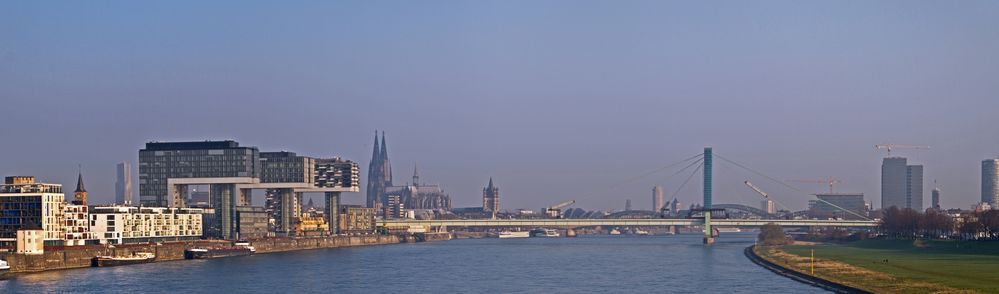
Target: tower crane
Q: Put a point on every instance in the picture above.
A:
(889, 147)
(555, 211)
(829, 181)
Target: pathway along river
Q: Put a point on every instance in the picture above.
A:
(614, 264)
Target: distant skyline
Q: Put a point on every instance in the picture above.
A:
(555, 100)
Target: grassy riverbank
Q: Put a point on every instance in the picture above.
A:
(902, 266)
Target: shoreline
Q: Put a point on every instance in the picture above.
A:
(79, 257)
(804, 278)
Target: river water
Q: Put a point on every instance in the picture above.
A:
(614, 264)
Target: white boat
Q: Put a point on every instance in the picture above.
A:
(514, 234)
(641, 232)
(4, 268)
(615, 232)
(544, 233)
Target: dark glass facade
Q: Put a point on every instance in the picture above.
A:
(209, 159)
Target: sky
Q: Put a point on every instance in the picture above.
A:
(555, 100)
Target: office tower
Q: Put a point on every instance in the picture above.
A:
(123, 184)
(767, 206)
(935, 198)
(658, 199)
(990, 182)
(174, 160)
(627, 205)
(901, 184)
(28, 205)
(490, 197)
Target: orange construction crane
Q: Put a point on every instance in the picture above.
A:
(830, 181)
(889, 147)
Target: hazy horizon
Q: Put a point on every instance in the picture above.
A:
(554, 100)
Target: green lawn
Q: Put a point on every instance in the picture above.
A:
(959, 264)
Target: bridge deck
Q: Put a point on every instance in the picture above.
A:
(570, 223)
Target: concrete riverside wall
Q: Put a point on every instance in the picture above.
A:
(798, 276)
(81, 256)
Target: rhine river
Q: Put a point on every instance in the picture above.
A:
(615, 264)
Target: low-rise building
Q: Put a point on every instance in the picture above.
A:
(838, 205)
(127, 224)
(355, 219)
(76, 226)
(252, 222)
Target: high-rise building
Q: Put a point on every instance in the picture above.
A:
(627, 205)
(901, 184)
(935, 198)
(27, 205)
(838, 205)
(990, 182)
(767, 206)
(123, 184)
(658, 199)
(160, 161)
(490, 198)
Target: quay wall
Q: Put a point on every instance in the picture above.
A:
(55, 258)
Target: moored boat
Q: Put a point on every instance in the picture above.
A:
(137, 258)
(544, 233)
(239, 248)
(514, 234)
(4, 268)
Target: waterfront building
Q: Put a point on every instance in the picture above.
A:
(123, 184)
(29, 205)
(490, 198)
(231, 173)
(658, 200)
(394, 208)
(355, 219)
(833, 205)
(30, 242)
(129, 224)
(76, 227)
(990, 182)
(252, 222)
(901, 184)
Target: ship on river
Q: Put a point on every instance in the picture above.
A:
(137, 258)
(239, 248)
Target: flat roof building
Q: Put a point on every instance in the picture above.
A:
(29, 205)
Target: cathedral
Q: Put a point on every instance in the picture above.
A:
(413, 195)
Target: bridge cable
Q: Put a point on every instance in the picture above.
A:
(655, 171)
(787, 185)
(675, 193)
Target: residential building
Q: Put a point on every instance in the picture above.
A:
(490, 198)
(394, 208)
(29, 205)
(990, 182)
(123, 184)
(128, 224)
(901, 184)
(77, 226)
(849, 206)
(767, 206)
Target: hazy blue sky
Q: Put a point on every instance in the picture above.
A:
(555, 100)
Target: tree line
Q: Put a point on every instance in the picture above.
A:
(933, 224)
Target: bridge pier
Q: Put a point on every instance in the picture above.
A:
(708, 237)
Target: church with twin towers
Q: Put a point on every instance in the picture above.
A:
(384, 194)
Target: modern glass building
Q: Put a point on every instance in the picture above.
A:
(28, 205)
(901, 184)
(207, 159)
(990, 181)
(836, 205)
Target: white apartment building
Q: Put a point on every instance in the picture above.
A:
(128, 224)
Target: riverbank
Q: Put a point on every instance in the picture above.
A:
(80, 256)
(896, 266)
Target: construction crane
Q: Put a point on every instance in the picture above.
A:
(766, 198)
(889, 147)
(555, 211)
(829, 181)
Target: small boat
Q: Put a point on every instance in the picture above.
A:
(615, 231)
(4, 268)
(137, 258)
(239, 248)
(544, 233)
(641, 232)
(514, 234)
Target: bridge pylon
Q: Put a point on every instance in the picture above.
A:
(708, 236)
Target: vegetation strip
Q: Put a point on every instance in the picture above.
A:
(800, 277)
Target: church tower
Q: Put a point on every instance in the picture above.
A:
(490, 197)
(379, 173)
(80, 194)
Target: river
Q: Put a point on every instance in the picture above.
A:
(615, 264)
